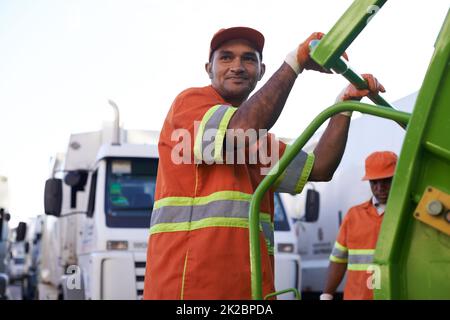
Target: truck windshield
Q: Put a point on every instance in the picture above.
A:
(130, 191)
(280, 218)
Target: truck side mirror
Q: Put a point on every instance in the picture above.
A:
(53, 197)
(21, 231)
(76, 179)
(4, 215)
(312, 206)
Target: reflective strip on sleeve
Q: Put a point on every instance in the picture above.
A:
(296, 174)
(210, 136)
(339, 253)
(357, 259)
(340, 246)
(198, 150)
(305, 173)
(291, 175)
(218, 147)
(267, 228)
(338, 260)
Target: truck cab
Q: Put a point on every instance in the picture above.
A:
(4, 233)
(102, 195)
(287, 259)
(33, 241)
(114, 236)
(16, 253)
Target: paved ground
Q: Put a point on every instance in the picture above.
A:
(15, 291)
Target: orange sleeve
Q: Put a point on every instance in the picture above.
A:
(340, 249)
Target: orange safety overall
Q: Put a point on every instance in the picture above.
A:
(199, 239)
(355, 246)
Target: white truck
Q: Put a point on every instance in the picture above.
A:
(16, 253)
(4, 235)
(287, 259)
(32, 246)
(98, 202)
(315, 240)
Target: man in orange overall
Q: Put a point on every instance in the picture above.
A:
(213, 155)
(358, 234)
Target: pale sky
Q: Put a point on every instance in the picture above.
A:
(61, 60)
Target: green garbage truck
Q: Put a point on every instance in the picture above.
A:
(412, 257)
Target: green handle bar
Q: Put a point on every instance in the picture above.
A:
(328, 51)
(340, 66)
(289, 155)
(293, 290)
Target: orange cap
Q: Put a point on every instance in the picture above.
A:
(380, 165)
(251, 35)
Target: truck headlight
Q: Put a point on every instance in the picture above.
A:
(116, 245)
(286, 247)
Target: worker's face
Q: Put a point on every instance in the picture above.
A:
(234, 70)
(380, 189)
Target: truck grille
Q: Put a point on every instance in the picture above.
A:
(140, 273)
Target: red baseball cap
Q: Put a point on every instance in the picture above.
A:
(251, 35)
(380, 165)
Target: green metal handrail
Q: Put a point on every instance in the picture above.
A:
(328, 51)
(340, 66)
(293, 290)
(345, 31)
(286, 159)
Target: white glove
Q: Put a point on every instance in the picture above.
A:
(326, 296)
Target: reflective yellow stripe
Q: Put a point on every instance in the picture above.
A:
(361, 251)
(305, 173)
(270, 249)
(359, 267)
(198, 201)
(265, 217)
(292, 174)
(340, 246)
(188, 201)
(204, 223)
(167, 209)
(279, 180)
(218, 142)
(198, 152)
(338, 260)
(184, 274)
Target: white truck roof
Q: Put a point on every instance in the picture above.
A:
(4, 192)
(85, 149)
(127, 150)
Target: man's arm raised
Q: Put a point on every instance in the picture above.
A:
(328, 152)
